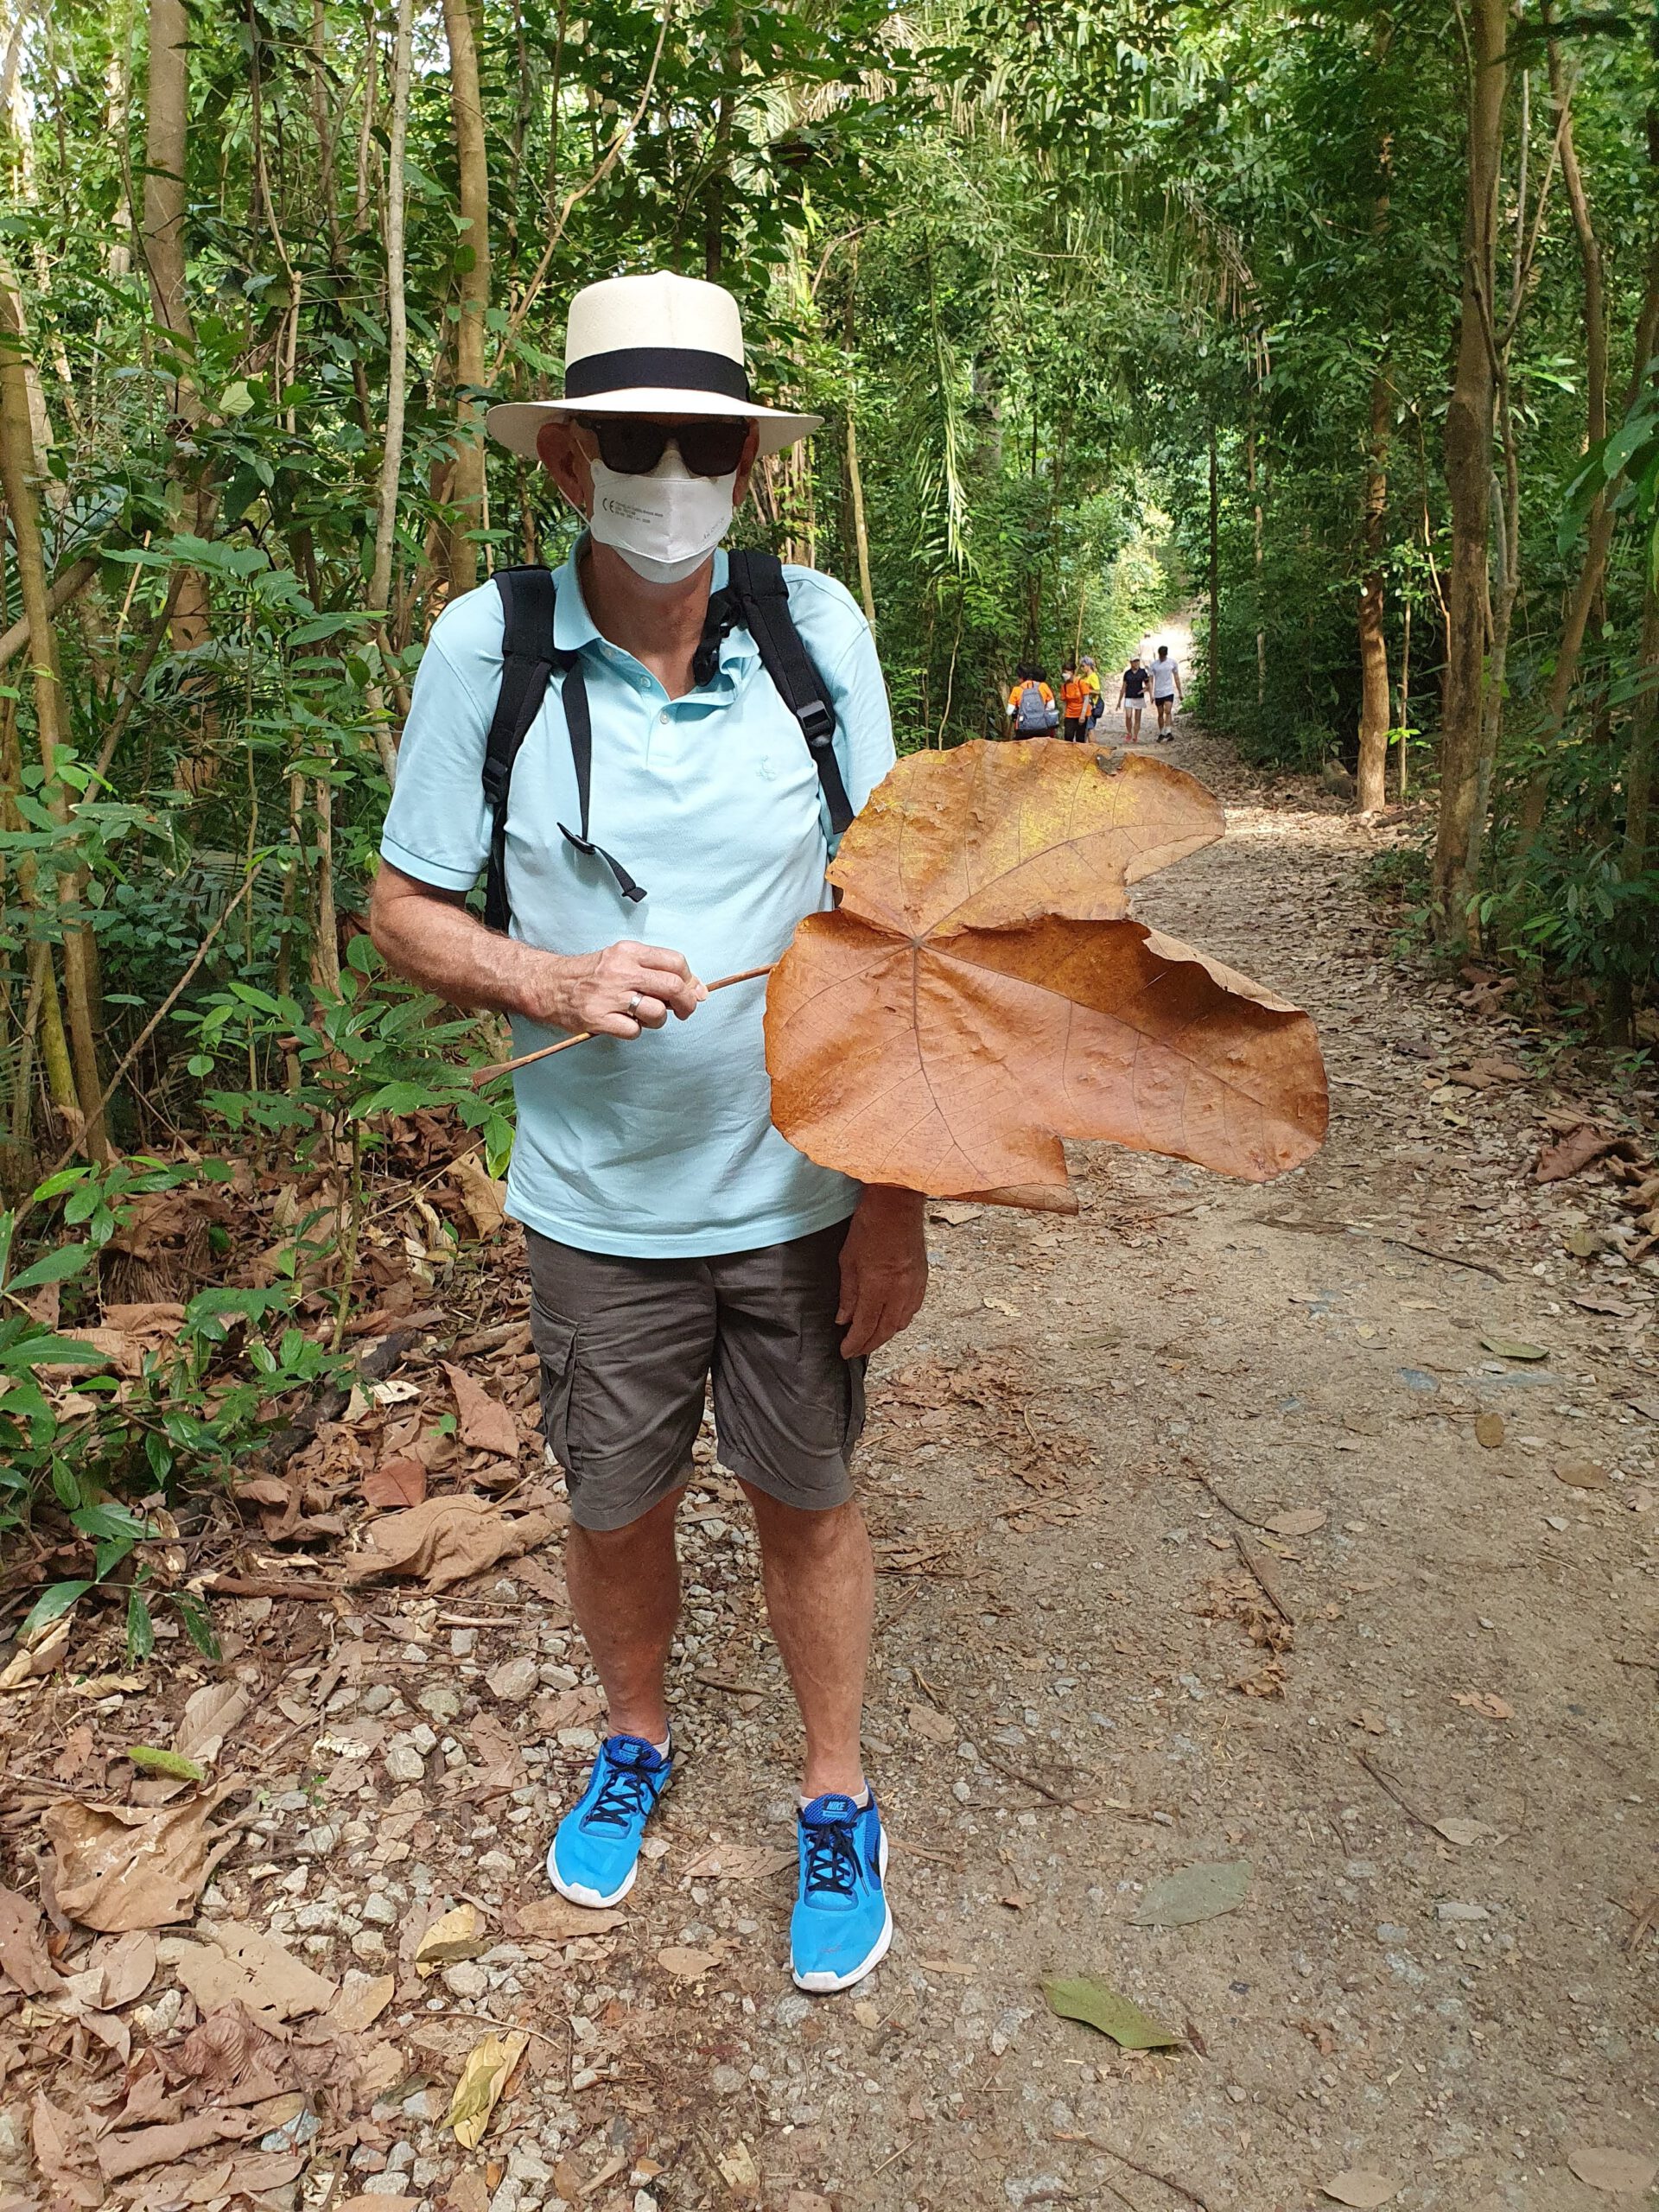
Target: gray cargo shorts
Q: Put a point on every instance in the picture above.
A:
(628, 1345)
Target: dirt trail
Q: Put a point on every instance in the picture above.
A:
(1099, 1664)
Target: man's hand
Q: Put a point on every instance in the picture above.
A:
(428, 935)
(594, 990)
(883, 1268)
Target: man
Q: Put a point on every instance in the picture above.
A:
(672, 1233)
(1073, 702)
(1166, 691)
(1132, 697)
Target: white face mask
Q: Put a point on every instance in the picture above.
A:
(665, 524)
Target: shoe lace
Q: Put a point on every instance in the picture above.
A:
(625, 1795)
(832, 1857)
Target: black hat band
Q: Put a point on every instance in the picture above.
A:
(663, 368)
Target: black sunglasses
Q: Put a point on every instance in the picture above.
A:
(633, 447)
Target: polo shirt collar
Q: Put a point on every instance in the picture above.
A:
(574, 627)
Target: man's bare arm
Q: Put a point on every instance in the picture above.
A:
(428, 935)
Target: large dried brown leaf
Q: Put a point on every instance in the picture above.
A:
(23, 1960)
(120, 1867)
(228, 2059)
(980, 993)
(155, 2146)
(485, 1424)
(448, 1540)
(237, 1965)
(62, 2143)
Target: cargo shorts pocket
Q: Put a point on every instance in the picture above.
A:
(555, 1339)
(853, 1427)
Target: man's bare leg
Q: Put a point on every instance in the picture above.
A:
(820, 1583)
(625, 1592)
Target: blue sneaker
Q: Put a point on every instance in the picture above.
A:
(595, 1853)
(842, 1924)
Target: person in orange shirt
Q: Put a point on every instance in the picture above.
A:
(1074, 704)
(1031, 711)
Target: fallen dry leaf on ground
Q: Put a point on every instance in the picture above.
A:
(737, 1862)
(1579, 1149)
(228, 2055)
(37, 1654)
(1301, 1521)
(485, 1424)
(395, 1484)
(448, 1539)
(483, 1197)
(454, 1935)
(155, 2146)
(686, 1964)
(483, 2078)
(211, 1714)
(362, 1999)
(237, 1965)
(1485, 1703)
(1624, 2173)
(557, 1921)
(979, 991)
(1456, 1830)
(119, 1867)
(23, 1960)
(62, 2143)
(1082, 1998)
(1359, 2187)
(1194, 1893)
(931, 1724)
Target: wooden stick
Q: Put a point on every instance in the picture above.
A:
(481, 1076)
(1180, 2188)
(1265, 1579)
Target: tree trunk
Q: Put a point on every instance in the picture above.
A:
(717, 190)
(1636, 858)
(391, 452)
(1593, 569)
(854, 475)
(19, 471)
(166, 137)
(472, 259)
(1215, 580)
(1468, 455)
(1371, 778)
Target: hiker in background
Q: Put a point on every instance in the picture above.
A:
(1094, 703)
(1073, 700)
(1166, 691)
(1132, 697)
(1032, 710)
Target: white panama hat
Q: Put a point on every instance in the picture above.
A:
(655, 344)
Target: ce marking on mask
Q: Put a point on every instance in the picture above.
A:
(627, 512)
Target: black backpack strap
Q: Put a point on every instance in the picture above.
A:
(527, 663)
(757, 584)
(529, 659)
(580, 722)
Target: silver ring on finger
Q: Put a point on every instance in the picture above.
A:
(631, 1008)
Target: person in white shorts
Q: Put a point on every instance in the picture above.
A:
(1132, 697)
(1166, 691)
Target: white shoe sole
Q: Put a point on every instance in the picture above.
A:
(577, 1894)
(826, 1985)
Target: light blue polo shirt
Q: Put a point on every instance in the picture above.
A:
(662, 1146)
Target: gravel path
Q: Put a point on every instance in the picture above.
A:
(1193, 1554)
